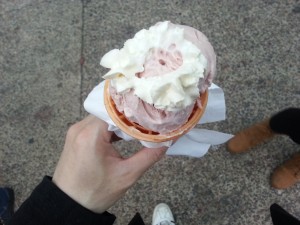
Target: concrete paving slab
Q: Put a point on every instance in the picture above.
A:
(40, 44)
(49, 62)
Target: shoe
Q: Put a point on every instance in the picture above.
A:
(6, 204)
(162, 215)
(287, 174)
(250, 137)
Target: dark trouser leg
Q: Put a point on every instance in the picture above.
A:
(137, 220)
(282, 217)
(287, 122)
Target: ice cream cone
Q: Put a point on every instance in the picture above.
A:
(141, 133)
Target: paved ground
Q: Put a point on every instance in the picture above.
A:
(49, 62)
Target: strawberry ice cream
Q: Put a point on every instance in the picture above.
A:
(157, 77)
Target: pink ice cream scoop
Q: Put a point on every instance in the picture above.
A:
(159, 62)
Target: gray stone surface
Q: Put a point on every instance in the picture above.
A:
(49, 62)
(40, 44)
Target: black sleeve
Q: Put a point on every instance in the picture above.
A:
(49, 205)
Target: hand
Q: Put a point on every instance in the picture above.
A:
(92, 172)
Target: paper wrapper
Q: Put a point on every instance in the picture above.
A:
(195, 142)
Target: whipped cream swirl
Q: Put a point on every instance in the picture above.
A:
(172, 90)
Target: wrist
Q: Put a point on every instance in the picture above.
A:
(82, 196)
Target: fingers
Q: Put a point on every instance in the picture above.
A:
(141, 161)
(108, 136)
(98, 126)
(77, 127)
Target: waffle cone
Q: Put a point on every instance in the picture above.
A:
(141, 133)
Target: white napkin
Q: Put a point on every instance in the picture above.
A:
(195, 143)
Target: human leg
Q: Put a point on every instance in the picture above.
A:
(287, 122)
(137, 220)
(250, 137)
(284, 122)
(282, 217)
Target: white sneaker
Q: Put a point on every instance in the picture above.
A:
(162, 215)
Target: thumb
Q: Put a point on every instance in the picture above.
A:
(145, 158)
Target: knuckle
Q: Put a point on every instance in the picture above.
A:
(83, 136)
(72, 131)
(79, 135)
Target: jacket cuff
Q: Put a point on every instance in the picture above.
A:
(53, 206)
